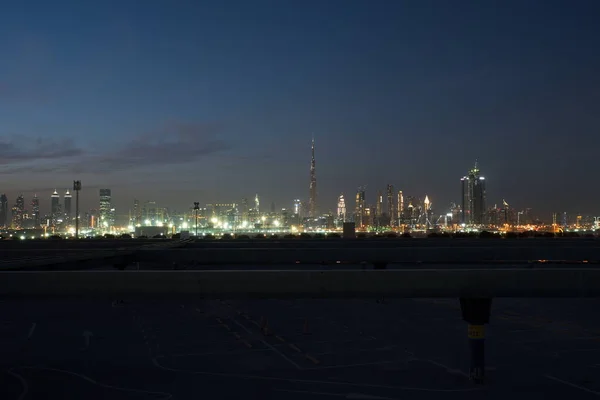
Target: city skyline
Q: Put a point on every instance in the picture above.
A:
(60, 202)
(199, 103)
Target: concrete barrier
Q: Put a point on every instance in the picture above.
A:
(472, 283)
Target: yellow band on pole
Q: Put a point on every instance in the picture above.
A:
(476, 331)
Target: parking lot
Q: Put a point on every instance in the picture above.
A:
(297, 349)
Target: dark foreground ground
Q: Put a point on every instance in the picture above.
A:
(402, 349)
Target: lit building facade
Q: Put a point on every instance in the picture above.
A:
(18, 212)
(67, 201)
(106, 212)
(35, 211)
(473, 197)
(55, 208)
(3, 211)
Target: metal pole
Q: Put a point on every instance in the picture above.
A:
(196, 208)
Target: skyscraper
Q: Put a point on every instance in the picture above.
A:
(35, 211)
(136, 218)
(400, 207)
(341, 208)
(17, 212)
(3, 211)
(391, 207)
(67, 210)
(473, 197)
(55, 207)
(105, 209)
(312, 195)
(359, 209)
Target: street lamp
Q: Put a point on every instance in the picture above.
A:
(196, 208)
(76, 188)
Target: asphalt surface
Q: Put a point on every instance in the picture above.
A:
(352, 349)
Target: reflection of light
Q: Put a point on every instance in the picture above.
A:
(159, 224)
(22, 237)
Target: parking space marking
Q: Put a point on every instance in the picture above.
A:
(31, 330)
(336, 366)
(268, 345)
(572, 385)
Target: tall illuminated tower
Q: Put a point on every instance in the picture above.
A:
(106, 220)
(341, 208)
(391, 207)
(35, 210)
(55, 207)
(67, 201)
(473, 197)
(400, 207)
(3, 211)
(312, 198)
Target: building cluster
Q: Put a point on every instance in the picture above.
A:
(391, 210)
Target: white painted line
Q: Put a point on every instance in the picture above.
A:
(86, 338)
(311, 381)
(224, 353)
(350, 351)
(360, 364)
(572, 385)
(31, 330)
(24, 385)
(269, 346)
(164, 396)
(448, 369)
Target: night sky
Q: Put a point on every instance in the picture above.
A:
(183, 101)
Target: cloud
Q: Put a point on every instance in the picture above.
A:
(176, 143)
(27, 149)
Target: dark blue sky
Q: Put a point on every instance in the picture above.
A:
(182, 101)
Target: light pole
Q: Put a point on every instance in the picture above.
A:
(196, 208)
(76, 188)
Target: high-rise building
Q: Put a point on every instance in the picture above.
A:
(136, 218)
(105, 209)
(35, 211)
(400, 207)
(312, 192)
(67, 207)
(18, 211)
(341, 208)
(55, 207)
(359, 209)
(244, 210)
(473, 197)
(379, 204)
(3, 211)
(391, 207)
